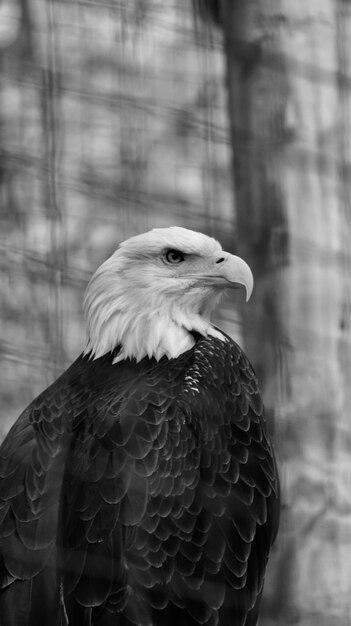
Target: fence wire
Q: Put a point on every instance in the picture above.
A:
(113, 120)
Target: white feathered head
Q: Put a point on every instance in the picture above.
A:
(155, 289)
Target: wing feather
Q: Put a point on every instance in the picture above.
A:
(155, 483)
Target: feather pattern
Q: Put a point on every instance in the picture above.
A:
(140, 493)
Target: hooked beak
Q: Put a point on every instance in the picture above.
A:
(232, 273)
(237, 274)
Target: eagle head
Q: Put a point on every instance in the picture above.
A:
(157, 288)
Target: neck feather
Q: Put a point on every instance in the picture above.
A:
(149, 326)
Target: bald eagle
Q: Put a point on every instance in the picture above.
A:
(141, 488)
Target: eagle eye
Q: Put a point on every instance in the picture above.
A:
(174, 257)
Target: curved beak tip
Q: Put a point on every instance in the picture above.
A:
(249, 286)
(240, 275)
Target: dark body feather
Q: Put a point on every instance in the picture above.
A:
(139, 494)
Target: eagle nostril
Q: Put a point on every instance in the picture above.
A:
(220, 260)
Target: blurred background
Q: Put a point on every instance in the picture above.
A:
(231, 117)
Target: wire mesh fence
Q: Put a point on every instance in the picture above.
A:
(119, 116)
(113, 120)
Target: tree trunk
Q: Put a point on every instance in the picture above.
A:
(288, 108)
